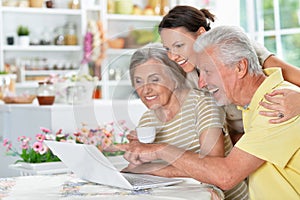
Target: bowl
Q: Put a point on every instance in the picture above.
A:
(117, 43)
(24, 99)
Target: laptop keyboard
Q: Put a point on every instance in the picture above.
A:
(139, 179)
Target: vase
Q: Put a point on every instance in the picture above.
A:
(26, 169)
(36, 3)
(24, 40)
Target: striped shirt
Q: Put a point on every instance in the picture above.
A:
(197, 114)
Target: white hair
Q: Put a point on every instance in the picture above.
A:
(232, 45)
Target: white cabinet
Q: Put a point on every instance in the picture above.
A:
(42, 60)
(42, 57)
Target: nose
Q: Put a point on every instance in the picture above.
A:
(201, 82)
(146, 88)
(172, 55)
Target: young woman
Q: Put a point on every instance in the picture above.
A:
(179, 30)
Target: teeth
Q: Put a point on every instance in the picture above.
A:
(182, 62)
(214, 90)
(150, 98)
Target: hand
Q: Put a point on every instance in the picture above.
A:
(132, 136)
(138, 153)
(147, 168)
(283, 101)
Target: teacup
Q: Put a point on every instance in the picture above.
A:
(146, 134)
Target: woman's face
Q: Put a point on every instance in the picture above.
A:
(153, 84)
(179, 44)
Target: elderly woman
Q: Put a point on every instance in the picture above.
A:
(186, 118)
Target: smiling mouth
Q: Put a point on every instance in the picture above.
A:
(149, 98)
(182, 62)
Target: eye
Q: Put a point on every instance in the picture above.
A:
(179, 45)
(138, 82)
(154, 79)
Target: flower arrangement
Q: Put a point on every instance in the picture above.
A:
(37, 152)
(102, 137)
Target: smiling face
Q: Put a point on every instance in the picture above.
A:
(179, 44)
(219, 78)
(153, 84)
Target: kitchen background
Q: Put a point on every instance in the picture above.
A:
(62, 37)
(69, 42)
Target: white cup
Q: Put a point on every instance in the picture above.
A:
(146, 134)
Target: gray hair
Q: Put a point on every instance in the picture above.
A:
(232, 45)
(156, 52)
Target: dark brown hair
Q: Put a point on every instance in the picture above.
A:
(187, 16)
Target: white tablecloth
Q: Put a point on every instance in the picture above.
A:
(67, 187)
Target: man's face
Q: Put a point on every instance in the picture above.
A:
(219, 78)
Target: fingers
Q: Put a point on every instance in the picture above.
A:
(132, 136)
(278, 92)
(277, 116)
(122, 147)
(132, 158)
(278, 120)
(271, 106)
(273, 99)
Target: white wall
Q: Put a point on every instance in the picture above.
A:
(227, 12)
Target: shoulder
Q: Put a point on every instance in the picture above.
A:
(200, 96)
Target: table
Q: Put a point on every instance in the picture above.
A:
(68, 187)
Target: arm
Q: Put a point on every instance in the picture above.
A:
(212, 144)
(157, 169)
(222, 172)
(290, 72)
(285, 101)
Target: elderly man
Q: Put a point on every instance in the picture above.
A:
(268, 153)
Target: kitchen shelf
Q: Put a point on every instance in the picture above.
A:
(143, 18)
(44, 11)
(42, 48)
(41, 19)
(48, 72)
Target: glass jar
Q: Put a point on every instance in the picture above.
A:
(74, 4)
(70, 34)
(45, 93)
(59, 38)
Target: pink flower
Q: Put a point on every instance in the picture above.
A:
(44, 149)
(37, 146)
(21, 138)
(5, 142)
(25, 145)
(25, 142)
(59, 132)
(40, 137)
(9, 147)
(45, 130)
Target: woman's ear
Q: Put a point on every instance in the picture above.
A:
(242, 68)
(200, 31)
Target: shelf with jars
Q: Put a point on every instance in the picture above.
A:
(55, 30)
(125, 30)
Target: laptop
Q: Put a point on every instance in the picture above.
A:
(89, 164)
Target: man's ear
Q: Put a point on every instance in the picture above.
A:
(242, 68)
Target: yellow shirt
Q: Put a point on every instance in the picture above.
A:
(277, 144)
